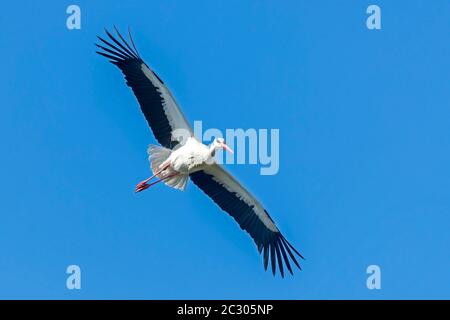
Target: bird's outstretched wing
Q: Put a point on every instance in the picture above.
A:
(157, 102)
(233, 198)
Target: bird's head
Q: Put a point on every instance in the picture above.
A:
(219, 143)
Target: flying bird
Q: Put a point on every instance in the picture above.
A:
(180, 157)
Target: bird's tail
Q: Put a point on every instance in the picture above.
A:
(157, 156)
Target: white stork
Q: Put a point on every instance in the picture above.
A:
(177, 160)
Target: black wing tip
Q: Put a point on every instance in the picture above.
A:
(292, 247)
(119, 50)
(276, 248)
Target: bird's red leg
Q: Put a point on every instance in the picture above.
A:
(144, 182)
(146, 186)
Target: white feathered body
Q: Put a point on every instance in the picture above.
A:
(192, 156)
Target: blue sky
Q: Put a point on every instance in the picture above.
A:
(364, 174)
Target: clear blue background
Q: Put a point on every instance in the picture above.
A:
(364, 121)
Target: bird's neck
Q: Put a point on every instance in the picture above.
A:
(212, 150)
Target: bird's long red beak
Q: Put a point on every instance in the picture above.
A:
(227, 148)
